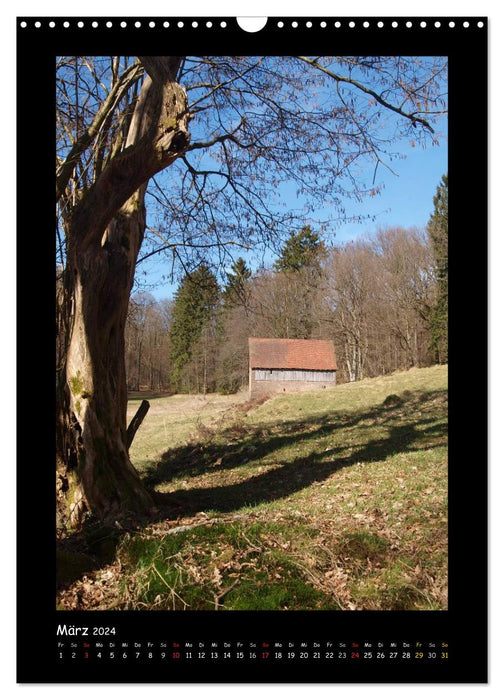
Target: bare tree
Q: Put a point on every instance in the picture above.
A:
(350, 296)
(407, 290)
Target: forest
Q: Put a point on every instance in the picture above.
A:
(382, 300)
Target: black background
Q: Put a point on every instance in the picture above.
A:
(464, 625)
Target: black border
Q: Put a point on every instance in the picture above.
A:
(464, 625)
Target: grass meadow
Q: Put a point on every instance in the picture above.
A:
(329, 500)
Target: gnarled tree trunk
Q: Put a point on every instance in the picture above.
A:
(104, 235)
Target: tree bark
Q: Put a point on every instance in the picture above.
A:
(105, 232)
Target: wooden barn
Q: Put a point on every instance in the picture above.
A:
(285, 365)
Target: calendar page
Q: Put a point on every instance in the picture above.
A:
(262, 454)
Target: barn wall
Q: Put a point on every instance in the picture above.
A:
(259, 387)
(293, 375)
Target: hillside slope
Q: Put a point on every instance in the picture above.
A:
(329, 500)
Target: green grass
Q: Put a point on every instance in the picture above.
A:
(223, 566)
(326, 500)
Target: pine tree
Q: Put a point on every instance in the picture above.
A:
(299, 268)
(194, 309)
(437, 229)
(235, 289)
(302, 249)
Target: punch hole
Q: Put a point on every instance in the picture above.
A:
(252, 24)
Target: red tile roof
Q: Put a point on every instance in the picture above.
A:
(284, 353)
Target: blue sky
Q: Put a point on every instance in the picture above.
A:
(405, 200)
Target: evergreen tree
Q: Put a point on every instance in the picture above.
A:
(302, 249)
(234, 291)
(437, 229)
(195, 305)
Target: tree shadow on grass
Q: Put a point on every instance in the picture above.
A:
(414, 424)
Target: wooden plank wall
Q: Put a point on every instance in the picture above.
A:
(293, 375)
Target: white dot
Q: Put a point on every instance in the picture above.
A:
(94, 24)
(166, 24)
(451, 25)
(223, 25)
(66, 24)
(365, 25)
(409, 24)
(38, 25)
(280, 25)
(123, 24)
(294, 24)
(351, 25)
(380, 24)
(423, 24)
(395, 25)
(437, 24)
(481, 25)
(152, 25)
(109, 24)
(309, 25)
(180, 25)
(138, 24)
(337, 25)
(23, 25)
(323, 25)
(209, 24)
(466, 24)
(80, 24)
(52, 24)
(195, 24)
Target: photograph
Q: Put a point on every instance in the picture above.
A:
(252, 343)
(262, 364)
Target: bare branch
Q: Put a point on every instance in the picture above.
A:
(350, 81)
(66, 169)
